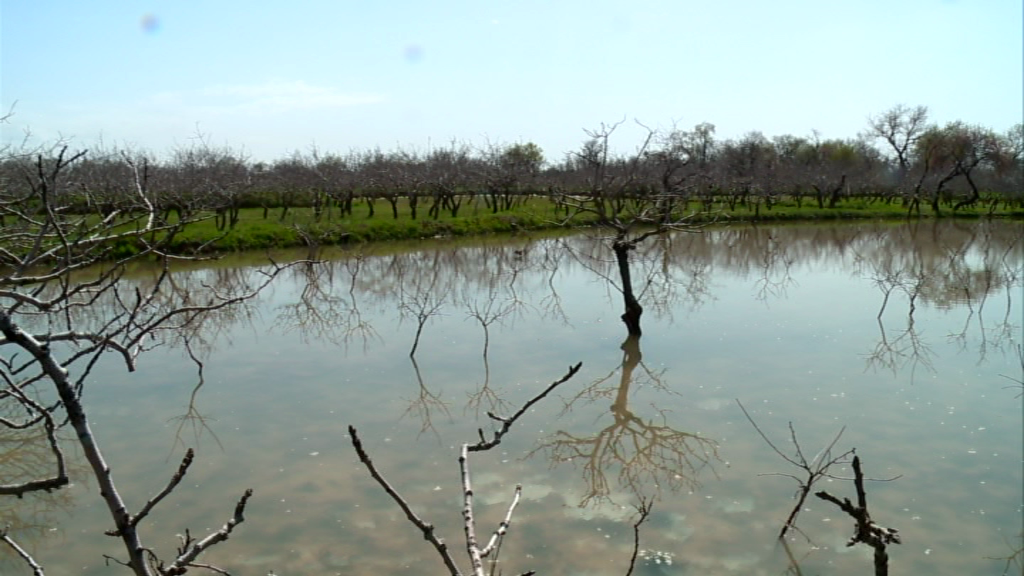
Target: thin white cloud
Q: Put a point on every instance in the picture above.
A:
(238, 114)
(273, 97)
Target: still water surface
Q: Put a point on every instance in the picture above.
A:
(906, 337)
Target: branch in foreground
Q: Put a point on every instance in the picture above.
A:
(37, 570)
(867, 532)
(476, 554)
(506, 423)
(175, 480)
(814, 470)
(427, 529)
(191, 551)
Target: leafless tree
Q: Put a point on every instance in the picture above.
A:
(900, 127)
(447, 175)
(508, 172)
(616, 196)
(210, 177)
(813, 470)
(56, 267)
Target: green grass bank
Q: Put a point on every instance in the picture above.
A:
(257, 229)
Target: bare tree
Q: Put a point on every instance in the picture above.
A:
(447, 175)
(814, 470)
(617, 196)
(900, 127)
(508, 171)
(50, 339)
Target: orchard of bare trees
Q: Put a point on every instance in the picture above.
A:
(900, 158)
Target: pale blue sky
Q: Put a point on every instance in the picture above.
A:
(273, 77)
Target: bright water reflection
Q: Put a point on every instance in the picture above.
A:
(906, 335)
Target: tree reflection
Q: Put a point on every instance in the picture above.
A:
(774, 276)
(421, 300)
(642, 454)
(486, 311)
(425, 404)
(906, 347)
(25, 455)
(193, 418)
(951, 267)
(326, 310)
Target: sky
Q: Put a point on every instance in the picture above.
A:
(271, 78)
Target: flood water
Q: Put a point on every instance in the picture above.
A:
(905, 337)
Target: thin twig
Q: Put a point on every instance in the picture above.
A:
(37, 570)
(427, 529)
(503, 527)
(506, 423)
(184, 560)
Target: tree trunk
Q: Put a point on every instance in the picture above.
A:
(631, 357)
(833, 199)
(975, 195)
(633, 309)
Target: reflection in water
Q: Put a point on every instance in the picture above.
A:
(774, 274)
(644, 455)
(421, 300)
(943, 270)
(198, 422)
(905, 347)
(486, 397)
(426, 403)
(320, 312)
(26, 455)
(486, 313)
(942, 295)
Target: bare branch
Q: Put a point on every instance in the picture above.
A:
(867, 532)
(495, 541)
(175, 480)
(506, 423)
(427, 529)
(37, 570)
(813, 471)
(185, 559)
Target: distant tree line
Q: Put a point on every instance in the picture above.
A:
(899, 158)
